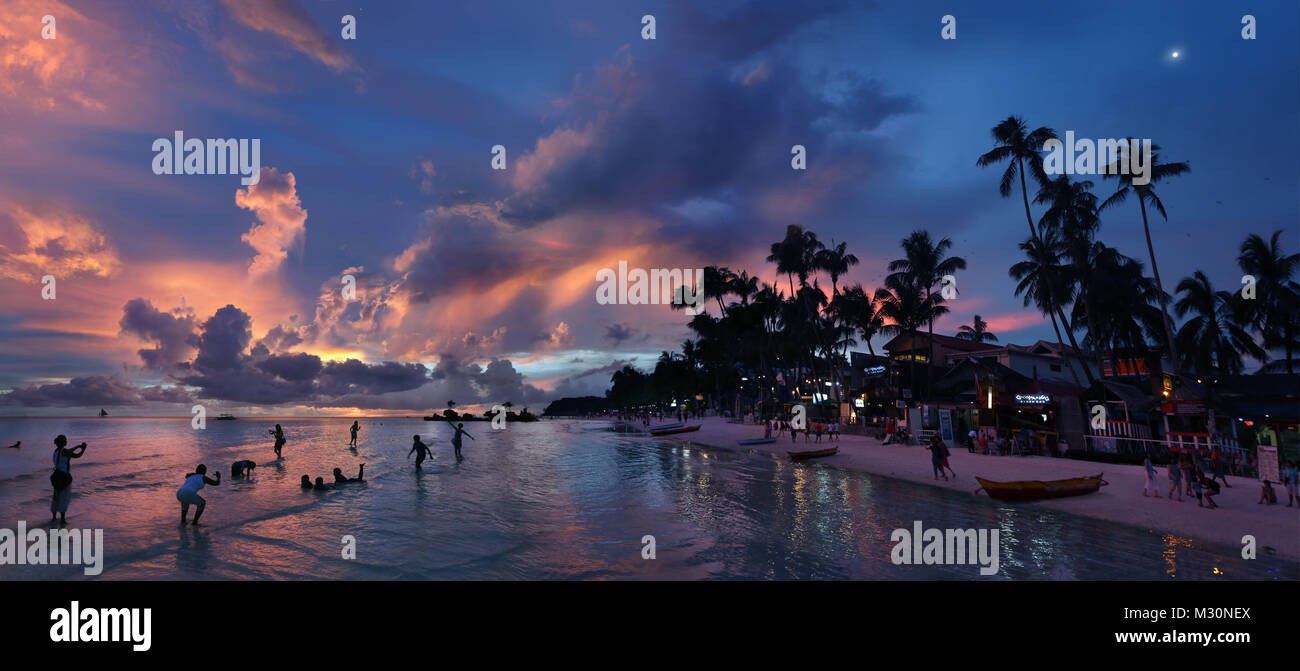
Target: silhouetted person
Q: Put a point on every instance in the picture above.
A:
(188, 494)
(340, 479)
(355, 428)
(61, 478)
(242, 468)
(320, 484)
(306, 482)
(421, 452)
(279, 439)
(455, 440)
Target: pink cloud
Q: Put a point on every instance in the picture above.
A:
(274, 201)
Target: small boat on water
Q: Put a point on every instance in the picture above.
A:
(226, 415)
(1032, 490)
(670, 431)
(661, 427)
(103, 412)
(756, 441)
(813, 454)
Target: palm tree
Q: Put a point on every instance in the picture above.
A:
(925, 265)
(978, 332)
(1146, 194)
(1072, 210)
(907, 306)
(1016, 145)
(835, 261)
(1276, 308)
(855, 308)
(1213, 340)
(788, 254)
(1040, 281)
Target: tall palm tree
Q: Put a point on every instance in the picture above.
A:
(1072, 210)
(924, 264)
(978, 331)
(1022, 149)
(1213, 340)
(836, 262)
(1040, 278)
(1275, 312)
(1159, 171)
(857, 309)
(789, 254)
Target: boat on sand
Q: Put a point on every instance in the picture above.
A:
(672, 430)
(1033, 490)
(813, 454)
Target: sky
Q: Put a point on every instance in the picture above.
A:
(478, 285)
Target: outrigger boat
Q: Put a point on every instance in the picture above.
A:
(672, 430)
(812, 454)
(661, 427)
(1032, 490)
(756, 441)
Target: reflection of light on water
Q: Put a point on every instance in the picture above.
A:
(1170, 554)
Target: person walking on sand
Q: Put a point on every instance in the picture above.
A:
(1189, 473)
(61, 478)
(355, 428)
(421, 452)
(1175, 480)
(1217, 467)
(946, 454)
(1150, 483)
(1196, 486)
(1266, 494)
(936, 458)
(279, 439)
(971, 445)
(456, 439)
(188, 494)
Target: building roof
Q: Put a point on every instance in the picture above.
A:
(903, 342)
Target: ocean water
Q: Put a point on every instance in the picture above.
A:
(561, 499)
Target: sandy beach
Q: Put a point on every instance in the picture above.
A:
(1276, 528)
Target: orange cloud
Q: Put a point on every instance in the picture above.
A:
(36, 242)
(274, 201)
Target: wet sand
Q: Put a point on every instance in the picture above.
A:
(1276, 528)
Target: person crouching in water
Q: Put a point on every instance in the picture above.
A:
(242, 469)
(188, 494)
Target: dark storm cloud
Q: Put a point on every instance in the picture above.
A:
(223, 371)
(93, 390)
(619, 333)
(172, 333)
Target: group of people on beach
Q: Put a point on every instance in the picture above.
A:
(810, 430)
(1193, 474)
(1290, 481)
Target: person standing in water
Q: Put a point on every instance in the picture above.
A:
(355, 428)
(279, 439)
(188, 494)
(61, 478)
(421, 452)
(455, 440)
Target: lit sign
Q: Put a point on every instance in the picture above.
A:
(859, 403)
(874, 370)
(1033, 399)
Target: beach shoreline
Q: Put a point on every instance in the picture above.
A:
(1276, 526)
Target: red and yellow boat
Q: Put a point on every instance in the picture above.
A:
(1033, 490)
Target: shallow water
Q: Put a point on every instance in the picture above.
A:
(548, 500)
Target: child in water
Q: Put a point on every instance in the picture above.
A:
(340, 479)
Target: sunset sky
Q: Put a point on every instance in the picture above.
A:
(478, 285)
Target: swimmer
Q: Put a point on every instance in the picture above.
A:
(320, 484)
(189, 492)
(340, 479)
(242, 469)
(421, 452)
(306, 482)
